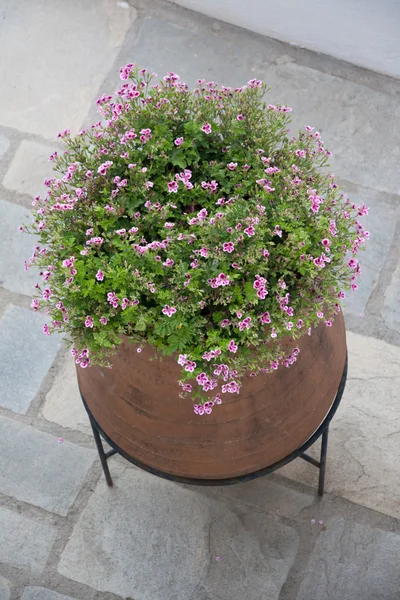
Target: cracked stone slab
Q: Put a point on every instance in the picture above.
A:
(29, 167)
(37, 469)
(40, 593)
(26, 355)
(381, 223)
(63, 403)
(364, 436)
(351, 118)
(152, 539)
(352, 561)
(25, 543)
(391, 307)
(17, 247)
(74, 49)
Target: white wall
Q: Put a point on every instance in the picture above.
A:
(363, 32)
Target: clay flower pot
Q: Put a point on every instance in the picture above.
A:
(136, 404)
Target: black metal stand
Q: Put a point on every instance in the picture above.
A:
(322, 430)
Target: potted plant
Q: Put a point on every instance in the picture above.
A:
(192, 244)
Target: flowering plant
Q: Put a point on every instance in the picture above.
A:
(191, 221)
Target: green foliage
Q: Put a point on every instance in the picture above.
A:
(166, 216)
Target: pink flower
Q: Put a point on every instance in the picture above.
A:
(236, 266)
(240, 117)
(249, 231)
(232, 166)
(228, 247)
(103, 320)
(88, 321)
(46, 329)
(168, 310)
(232, 347)
(169, 225)
(225, 323)
(278, 231)
(168, 262)
(120, 231)
(190, 366)
(325, 242)
(178, 141)
(99, 275)
(320, 314)
(182, 360)
(206, 128)
(35, 304)
(172, 186)
(265, 318)
(328, 323)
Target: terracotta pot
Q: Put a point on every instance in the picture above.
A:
(136, 404)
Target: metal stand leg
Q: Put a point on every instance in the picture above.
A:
(103, 456)
(322, 463)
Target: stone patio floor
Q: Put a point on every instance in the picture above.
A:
(63, 534)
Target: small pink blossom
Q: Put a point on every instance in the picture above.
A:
(232, 347)
(240, 117)
(168, 262)
(320, 314)
(178, 141)
(172, 186)
(89, 321)
(168, 310)
(169, 225)
(100, 275)
(103, 320)
(228, 247)
(232, 166)
(206, 128)
(250, 231)
(190, 366)
(46, 329)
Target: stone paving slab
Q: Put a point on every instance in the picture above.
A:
(381, 223)
(351, 561)
(4, 144)
(151, 539)
(63, 403)
(5, 591)
(25, 542)
(15, 247)
(391, 307)
(265, 494)
(364, 438)
(40, 593)
(158, 47)
(26, 355)
(37, 469)
(29, 167)
(71, 49)
(352, 119)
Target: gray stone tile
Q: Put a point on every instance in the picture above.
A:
(4, 144)
(352, 561)
(26, 355)
(63, 403)
(29, 167)
(381, 223)
(266, 495)
(25, 543)
(364, 439)
(15, 247)
(5, 589)
(159, 48)
(352, 119)
(152, 539)
(39, 593)
(35, 468)
(391, 307)
(58, 85)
